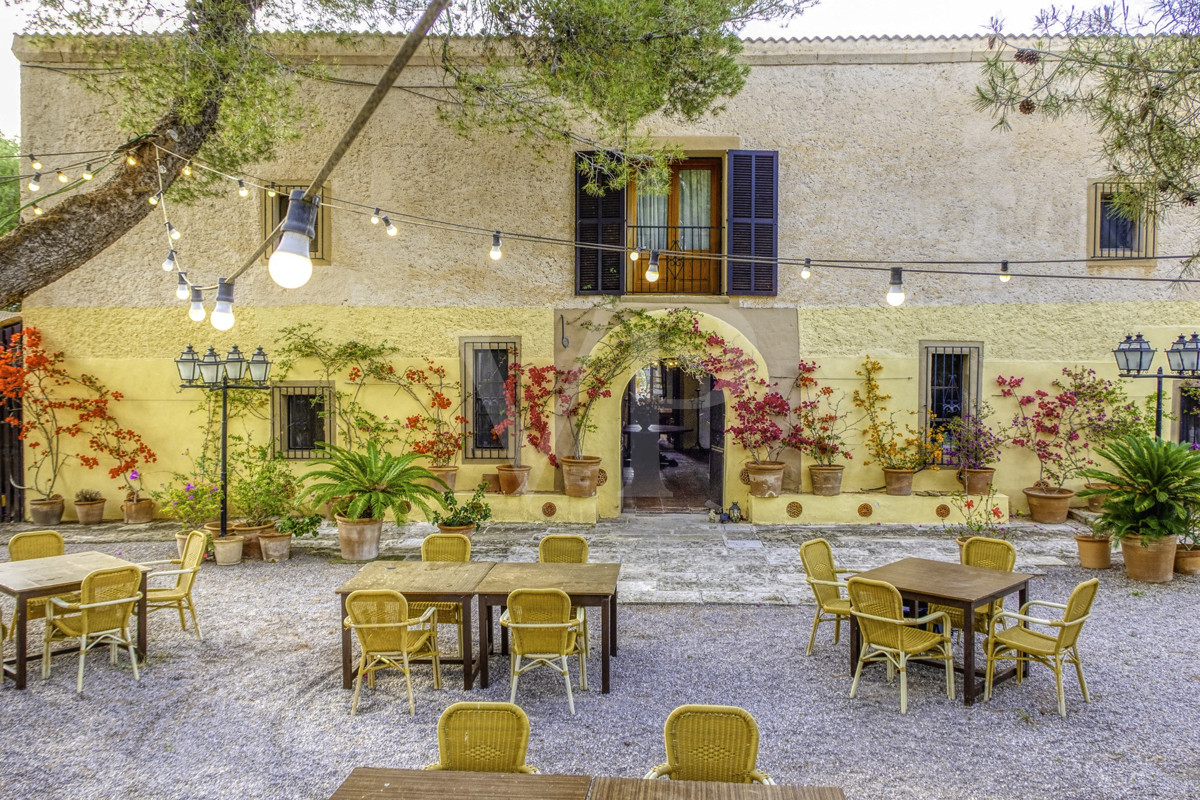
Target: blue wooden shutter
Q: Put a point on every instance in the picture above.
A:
(600, 220)
(753, 221)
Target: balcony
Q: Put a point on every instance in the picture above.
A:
(691, 260)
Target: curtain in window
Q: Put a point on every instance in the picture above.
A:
(652, 221)
(695, 209)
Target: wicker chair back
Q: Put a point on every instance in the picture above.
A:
(379, 607)
(817, 557)
(105, 585)
(446, 547)
(879, 599)
(1079, 606)
(538, 607)
(711, 743)
(979, 551)
(35, 544)
(563, 548)
(483, 737)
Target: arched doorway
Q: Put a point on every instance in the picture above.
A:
(672, 441)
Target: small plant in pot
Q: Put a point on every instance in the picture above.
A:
(981, 516)
(462, 518)
(191, 500)
(899, 450)
(819, 430)
(89, 506)
(974, 446)
(760, 415)
(277, 544)
(528, 394)
(261, 489)
(1153, 501)
(365, 485)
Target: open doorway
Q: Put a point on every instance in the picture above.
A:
(672, 442)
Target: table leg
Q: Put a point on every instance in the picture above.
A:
(855, 644)
(22, 625)
(1022, 599)
(347, 669)
(485, 640)
(613, 630)
(467, 644)
(143, 626)
(969, 685)
(606, 625)
(503, 635)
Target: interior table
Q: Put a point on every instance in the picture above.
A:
(55, 575)
(637, 789)
(419, 784)
(962, 587)
(422, 581)
(587, 585)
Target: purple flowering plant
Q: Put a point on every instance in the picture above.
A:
(969, 442)
(191, 499)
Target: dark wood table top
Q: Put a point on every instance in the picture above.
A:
(417, 784)
(54, 572)
(638, 789)
(420, 577)
(945, 579)
(580, 579)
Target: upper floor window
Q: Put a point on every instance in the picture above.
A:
(1112, 235)
(485, 369)
(949, 377)
(685, 224)
(275, 208)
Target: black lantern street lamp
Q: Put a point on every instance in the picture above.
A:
(213, 373)
(1134, 356)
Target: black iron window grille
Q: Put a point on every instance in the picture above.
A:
(690, 260)
(1115, 236)
(303, 417)
(951, 384)
(486, 366)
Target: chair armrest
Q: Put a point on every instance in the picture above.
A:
(58, 601)
(761, 777)
(819, 582)
(658, 771)
(847, 571)
(429, 612)
(161, 573)
(1049, 623)
(1045, 604)
(80, 606)
(435, 765)
(160, 561)
(906, 621)
(525, 769)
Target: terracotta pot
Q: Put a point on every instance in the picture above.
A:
(447, 475)
(251, 550)
(961, 541)
(826, 480)
(228, 550)
(513, 479)
(181, 538)
(138, 511)
(47, 512)
(1095, 502)
(581, 476)
(1150, 560)
(465, 530)
(1048, 506)
(975, 481)
(1095, 552)
(359, 538)
(898, 482)
(275, 546)
(766, 478)
(1187, 559)
(90, 512)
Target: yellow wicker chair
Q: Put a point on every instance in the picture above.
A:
(389, 638)
(544, 632)
(711, 743)
(887, 636)
(38, 544)
(179, 596)
(1023, 645)
(444, 547)
(106, 600)
(980, 551)
(483, 737)
(567, 548)
(822, 576)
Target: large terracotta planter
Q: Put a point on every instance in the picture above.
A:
(90, 512)
(1048, 506)
(275, 546)
(181, 538)
(465, 530)
(359, 538)
(1095, 502)
(1095, 552)
(1149, 560)
(251, 551)
(447, 475)
(898, 482)
(47, 512)
(138, 511)
(975, 481)
(581, 476)
(227, 550)
(766, 478)
(826, 480)
(513, 479)
(1187, 559)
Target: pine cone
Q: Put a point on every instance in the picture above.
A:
(1024, 56)
(1188, 199)
(1026, 106)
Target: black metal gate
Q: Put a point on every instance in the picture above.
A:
(12, 462)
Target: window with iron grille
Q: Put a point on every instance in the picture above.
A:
(950, 382)
(485, 368)
(302, 416)
(275, 210)
(1189, 413)
(1111, 235)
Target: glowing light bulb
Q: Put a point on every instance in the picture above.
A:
(271, 191)
(87, 173)
(242, 190)
(35, 182)
(154, 198)
(33, 162)
(196, 311)
(652, 268)
(391, 229)
(222, 314)
(895, 294)
(168, 264)
(182, 290)
(131, 160)
(806, 272)
(1005, 277)
(634, 255)
(495, 253)
(290, 264)
(375, 217)
(62, 176)
(187, 170)
(38, 210)
(173, 232)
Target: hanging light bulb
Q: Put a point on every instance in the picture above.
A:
(495, 253)
(652, 269)
(154, 198)
(895, 294)
(196, 311)
(635, 254)
(33, 162)
(187, 170)
(271, 190)
(375, 217)
(62, 176)
(38, 210)
(242, 190)
(1005, 277)
(35, 182)
(182, 290)
(162, 168)
(87, 173)
(391, 229)
(168, 264)
(173, 232)
(222, 315)
(806, 271)
(131, 160)
(290, 264)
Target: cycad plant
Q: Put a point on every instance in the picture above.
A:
(1156, 488)
(366, 484)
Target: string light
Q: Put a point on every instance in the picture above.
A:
(182, 289)
(38, 210)
(62, 176)
(33, 162)
(196, 311)
(131, 160)
(806, 271)
(1005, 277)
(242, 190)
(391, 229)
(222, 315)
(290, 265)
(375, 217)
(154, 198)
(172, 231)
(895, 294)
(271, 191)
(35, 182)
(652, 269)
(187, 170)
(495, 251)
(634, 254)
(87, 173)
(169, 264)
(162, 168)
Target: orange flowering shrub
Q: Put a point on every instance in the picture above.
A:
(893, 445)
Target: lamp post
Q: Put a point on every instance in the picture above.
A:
(1134, 356)
(212, 373)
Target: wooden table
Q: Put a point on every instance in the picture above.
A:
(55, 575)
(418, 784)
(422, 581)
(962, 587)
(638, 789)
(587, 584)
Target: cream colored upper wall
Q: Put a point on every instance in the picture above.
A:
(881, 157)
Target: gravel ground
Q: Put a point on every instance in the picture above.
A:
(257, 709)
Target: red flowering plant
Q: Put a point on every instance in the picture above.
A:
(51, 419)
(980, 518)
(820, 426)
(760, 415)
(528, 397)
(1062, 427)
(438, 430)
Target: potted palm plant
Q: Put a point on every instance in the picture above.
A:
(1153, 500)
(366, 485)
